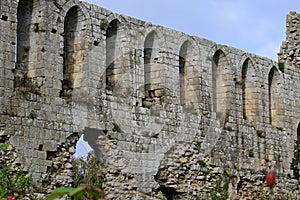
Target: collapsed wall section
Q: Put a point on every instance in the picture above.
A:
(164, 112)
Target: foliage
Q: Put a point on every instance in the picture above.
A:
(86, 172)
(281, 66)
(220, 192)
(3, 146)
(204, 169)
(87, 183)
(13, 183)
(81, 192)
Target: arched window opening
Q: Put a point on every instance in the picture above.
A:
(248, 89)
(244, 79)
(220, 78)
(111, 47)
(183, 66)
(275, 106)
(24, 20)
(151, 77)
(188, 77)
(73, 50)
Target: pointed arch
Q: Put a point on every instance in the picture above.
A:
(220, 75)
(24, 21)
(248, 91)
(189, 75)
(73, 49)
(183, 65)
(150, 54)
(111, 47)
(276, 111)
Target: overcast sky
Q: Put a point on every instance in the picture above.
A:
(256, 26)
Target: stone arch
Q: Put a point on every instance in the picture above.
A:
(248, 90)
(24, 21)
(188, 74)
(150, 56)
(111, 53)
(74, 50)
(276, 111)
(220, 81)
(184, 56)
(71, 3)
(151, 73)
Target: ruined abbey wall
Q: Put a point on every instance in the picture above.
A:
(163, 111)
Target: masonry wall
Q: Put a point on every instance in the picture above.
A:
(165, 112)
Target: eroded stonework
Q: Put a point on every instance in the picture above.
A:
(166, 113)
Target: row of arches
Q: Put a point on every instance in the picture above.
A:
(189, 83)
(222, 83)
(250, 97)
(74, 41)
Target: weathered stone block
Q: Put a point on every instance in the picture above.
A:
(50, 146)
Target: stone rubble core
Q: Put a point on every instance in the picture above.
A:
(167, 114)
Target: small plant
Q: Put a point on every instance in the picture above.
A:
(81, 192)
(281, 66)
(204, 169)
(13, 184)
(220, 192)
(3, 146)
(32, 115)
(199, 145)
(87, 182)
(202, 163)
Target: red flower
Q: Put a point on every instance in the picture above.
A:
(270, 179)
(12, 198)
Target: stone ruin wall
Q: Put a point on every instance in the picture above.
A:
(163, 111)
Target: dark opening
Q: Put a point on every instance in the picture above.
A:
(169, 193)
(53, 31)
(4, 18)
(215, 74)
(270, 79)
(96, 43)
(24, 17)
(244, 76)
